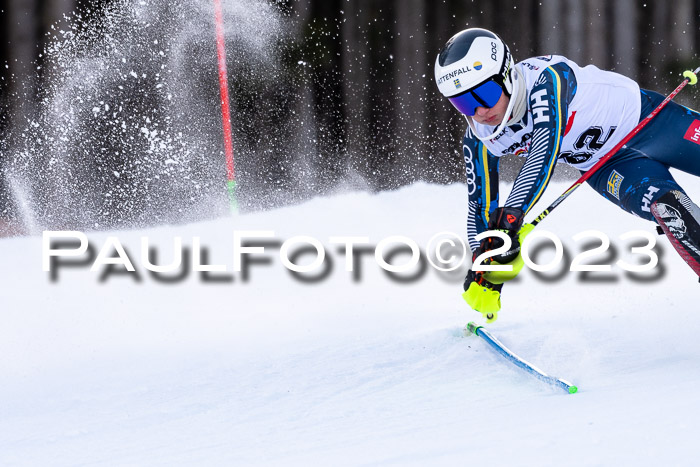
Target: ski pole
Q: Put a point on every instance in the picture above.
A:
(480, 331)
(690, 77)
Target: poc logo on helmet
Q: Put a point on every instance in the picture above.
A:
(494, 50)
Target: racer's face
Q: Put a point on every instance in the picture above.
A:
(492, 116)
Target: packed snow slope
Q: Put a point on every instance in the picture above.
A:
(355, 368)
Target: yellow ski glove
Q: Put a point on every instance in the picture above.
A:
(482, 289)
(484, 298)
(499, 277)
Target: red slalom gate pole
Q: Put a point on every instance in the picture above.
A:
(225, 105)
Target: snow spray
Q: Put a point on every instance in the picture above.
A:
(126, 131)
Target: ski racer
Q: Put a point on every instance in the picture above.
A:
(551, 110)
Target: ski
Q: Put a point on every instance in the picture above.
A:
(473, 328)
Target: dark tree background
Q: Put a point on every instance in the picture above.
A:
(366, 93)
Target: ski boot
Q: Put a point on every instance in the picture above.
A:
(679, 218)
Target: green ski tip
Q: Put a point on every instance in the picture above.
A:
(573, 389)
(471, 328)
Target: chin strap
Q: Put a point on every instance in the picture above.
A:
(519, 93)
(515, 110)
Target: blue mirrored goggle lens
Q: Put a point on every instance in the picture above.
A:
(484, 95)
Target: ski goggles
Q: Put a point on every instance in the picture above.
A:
(484, 95)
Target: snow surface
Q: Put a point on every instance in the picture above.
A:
(347, 372)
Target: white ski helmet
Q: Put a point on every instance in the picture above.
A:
(473, 69)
